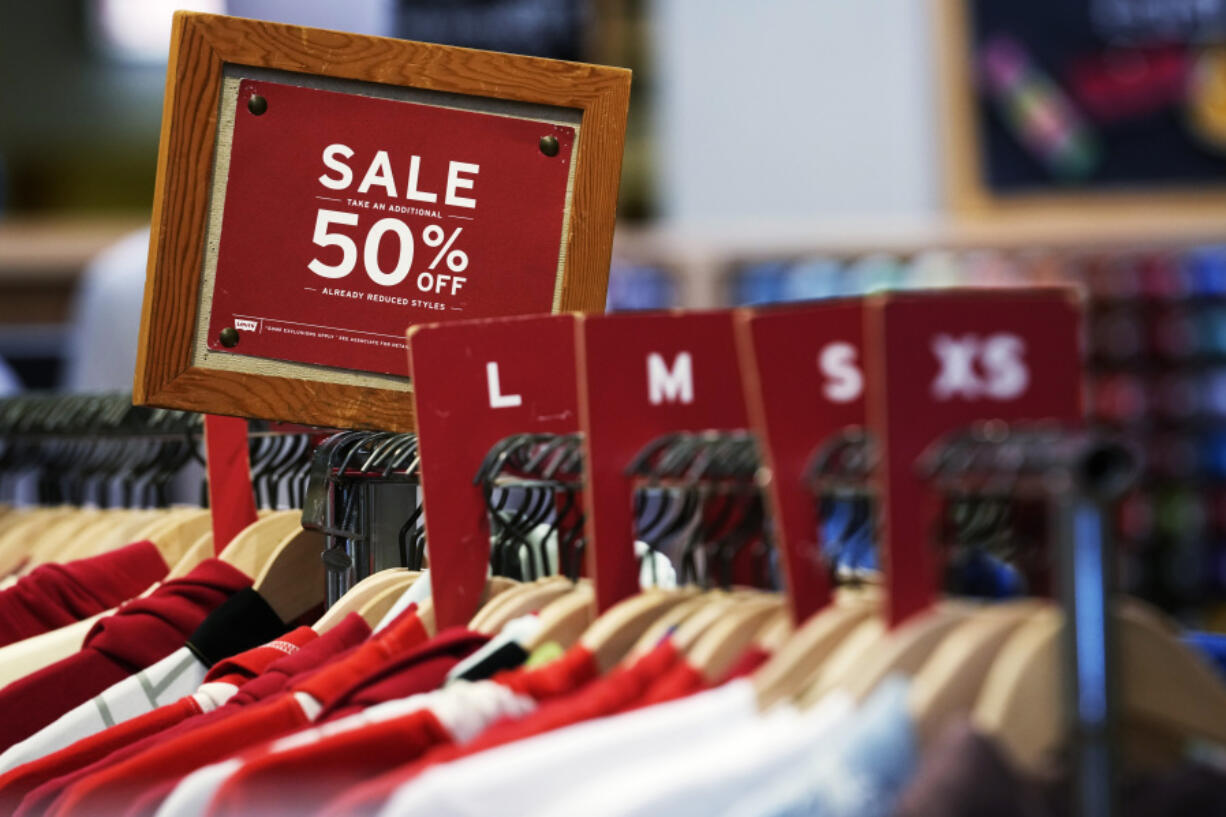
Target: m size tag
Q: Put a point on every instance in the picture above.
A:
(804, 382)
(476, 383)
(941, 362)
(643, 376)
(349, 218)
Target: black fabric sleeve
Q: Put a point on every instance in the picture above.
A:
(243, 621)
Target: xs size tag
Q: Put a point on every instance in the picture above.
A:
(941, 362)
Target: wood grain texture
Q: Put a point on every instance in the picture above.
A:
(201, 45)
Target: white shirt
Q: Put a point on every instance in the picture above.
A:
(463, 708)
(507, 780)
(175, 676)
(702, 777)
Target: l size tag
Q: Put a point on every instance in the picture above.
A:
(804, 382)
(640, 377)
(477, 382)
(941, 362)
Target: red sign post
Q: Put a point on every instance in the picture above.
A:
(804, 381)
(476, 383)
(939, 362)
(642, 376)
(388, 214)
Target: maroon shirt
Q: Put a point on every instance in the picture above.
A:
(55, 595)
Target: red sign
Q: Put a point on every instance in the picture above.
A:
(804, 381)
(474, 384)
(942, 362)
(642, 376)
(349, 218)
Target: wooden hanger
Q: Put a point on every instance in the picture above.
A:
(179, 536)
(727, 640)
(775, 632)
(293, 579)
(358, 595)
(901, 651)
(196, 553)
(666, 624)
(793, 666)
(949, 682)
(126, 530)
(616, 630)
(564, 620)
(486, 612)
(15, 540)
(57, 541)
(1164, 687)
(524, 603)
(374, 609)
(254, 546)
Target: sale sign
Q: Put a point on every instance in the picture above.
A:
(349, 218)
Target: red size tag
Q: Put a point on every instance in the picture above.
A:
(475, 383)
(804, 381)
(349, 218)
(940, 362)
(231, 497)
(642, 376)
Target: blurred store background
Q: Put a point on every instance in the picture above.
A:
(780, 150)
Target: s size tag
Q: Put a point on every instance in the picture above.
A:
(475, 383)
(642, 376)
(804, 381)
(940, 362)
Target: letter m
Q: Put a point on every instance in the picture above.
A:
(665, 385)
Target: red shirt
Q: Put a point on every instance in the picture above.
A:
(55, 595)
(143, 632)
(18, 782)
(349, 631)
(583, 700)
(111, 790)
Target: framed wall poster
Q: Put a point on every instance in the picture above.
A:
(319, 192)
(1083, 107)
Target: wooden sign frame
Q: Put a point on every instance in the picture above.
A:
(173, 366)
(968, 195)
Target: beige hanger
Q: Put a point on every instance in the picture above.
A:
(775, 632)
(1164, 687)
(535, 599)
(563, 620)
(901, 651)
(292, 579)
(793, 666)
(727, 640)
(376, 607)
(486, 612)
(196, 553)
(126, 530)
(667, 623)
(688, 632)
(179, 535)
(15, 541)
(254, 546)
(61, 541)
(358, 595)
(615, 631)
(948, 683)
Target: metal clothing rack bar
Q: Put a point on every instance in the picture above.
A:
(1081, 474)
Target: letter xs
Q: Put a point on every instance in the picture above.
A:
(1001, 373)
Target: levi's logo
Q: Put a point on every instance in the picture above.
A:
(973, 367)
(246, 325)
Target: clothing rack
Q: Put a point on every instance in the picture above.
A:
(1080, 475)
(356, 496)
